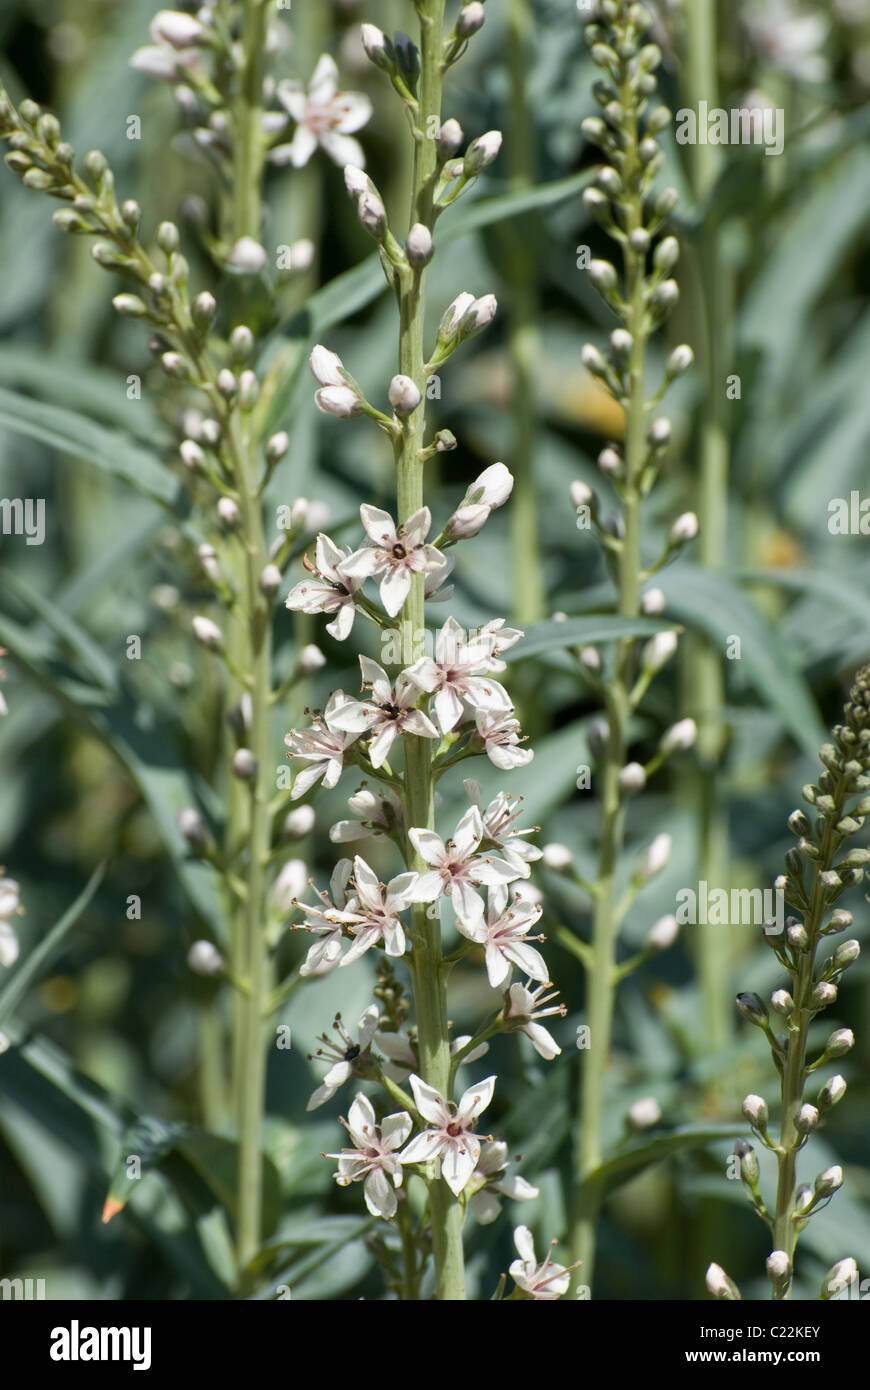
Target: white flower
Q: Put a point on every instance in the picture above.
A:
(499, 828)
(502, 736)
(9, 906)
(327, 921)
(457, 677)
(335, 593)
(324, 116)
(543, 1282)
(343, 1054)
(456, 867)
(449, 1136)
(390, 711)
(503, 932)
(490, 1178)
(291, 881)
(323, 746)
(204, 958)
(373, 1159)
(394, 552)
(371, 912)
(524, 1011)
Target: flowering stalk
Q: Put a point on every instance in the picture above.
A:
(218, 61)
(435, 712)
(818, 870)
(625, 205)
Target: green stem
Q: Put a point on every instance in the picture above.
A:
(524, 344)
(602, 975)
(795, 1071)
(704, 678)
(429, 985)
(249, 143)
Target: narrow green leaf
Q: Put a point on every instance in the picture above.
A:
(627, 1162)
(15, 988)
(78, 437)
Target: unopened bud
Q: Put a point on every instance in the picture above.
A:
(244, 764)
(806, 1119)
(204, 958)
(752, 1008)
(632, 779)
(299, 822)
(654, 858)
(755, 1109)
(404, 395)
(663, 933)
(418, 245)
(208, 633)
(310, 659)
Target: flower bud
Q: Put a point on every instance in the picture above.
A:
(653, 603)
(654, 858)
(832, 1092)
(168, 238)
(310, 659)
(481, 152)
(806, 1119)
(663, 933)
(244, 765)
(404, 396)
(203, 311)
(752, 1008)
(839, 1277)
(621, 341)
(270, 581)
(204, 958)
(299, 822)
(658, 651)
(130, 306)
(610, 462)
(632, 779)
(341, 401)
(289, 885)
(228, 511)
(680, 360)
(679, 737)
(719, 1285)
(372, 215)
(227, 384)
(644, 1113)
(594, 363)
(277, 446)
(581, 494)
(781, 1002)
(492, 487)
(590, 659)
(823, 995)
(450, 138)
(377, 46)
(755, 1109)
(470, 18)
(467, 521)
(778, 1267)
(666, 254)
(418, 245)
(603, 277)
(840, 1042)
(828, 1181)
(684, 529)
(845, 954)
(248, 256)
(557, 857)
(192, 827)
(208, 633)
(659, 433)
(241, 343)
(176, 29)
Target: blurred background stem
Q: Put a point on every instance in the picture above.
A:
(523, 338)
(705, 687)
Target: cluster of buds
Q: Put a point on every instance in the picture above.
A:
(818, 871)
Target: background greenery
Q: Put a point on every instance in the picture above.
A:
(99, 752)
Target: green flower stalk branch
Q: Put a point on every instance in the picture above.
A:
(818, 871)
(624, 203)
